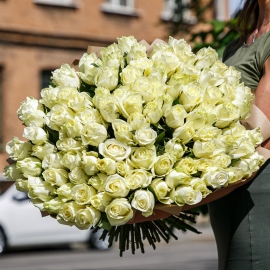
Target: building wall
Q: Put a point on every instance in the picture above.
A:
(36, 37)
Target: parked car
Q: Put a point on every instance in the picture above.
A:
(21, 225)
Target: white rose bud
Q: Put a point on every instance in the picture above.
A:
(22, 185)
(49, 96)
(29, 166)
(144, 201)
(87, 217)
(130, 74)
(186, 195)
(82, 193)
(53, 161)
(207, 133)
(175, 179)
(244, 147)
(69, 144)
(11, 172)
(72, 129)
(176, 116)
(119, 212)
(17, 149)
(107, 77)
(206, 57)
(161, 190)
(153, 111)
(136, 52)
(56, 177)
(41, 151)
(31, 113)
(66, 76)
(131, 104)
(71, 159)
(185, 133)
(138, 120)
(97, 181)
(123, 167)
(36, 135)
(138, 178)
(208, 149)
(100, 201)
(126, 43)
(39, 189)
(175, 148)
(89, 115)
(191, 96)
(186, 165)
(116, 186)
(54, 205)
(200, 185)
(122, 131)
(114, 149)
(109, 108)
(64, 192)
(78, 176)
(107, 166)
(89, 162)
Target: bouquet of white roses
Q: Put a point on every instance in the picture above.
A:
(135, 127)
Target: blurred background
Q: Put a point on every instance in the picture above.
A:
(37, 36)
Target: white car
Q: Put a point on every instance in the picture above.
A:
(21, 225)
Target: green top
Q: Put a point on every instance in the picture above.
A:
(249, 59)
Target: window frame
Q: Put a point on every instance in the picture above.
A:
(168, 11)
(114, 6)
(58, 3)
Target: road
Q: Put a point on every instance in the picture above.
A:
(189, 252)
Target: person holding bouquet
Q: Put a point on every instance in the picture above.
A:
(241, 219)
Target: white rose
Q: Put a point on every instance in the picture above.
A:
(53, 161)
(66, 94)
(109, 108)
(93, 134)
(145, 136)
(116, 186)
(49, 96)
(129, 74)
(29, 166)
(213, 95)
(68, 212)
(66, 76)
(11, 172)
(175, 148)
(55, 177)
(232, 75)
(244, 147)
(185, 133)
(123, 167)
(163, 164)
(176, 116)
(144, 201)
(71, 159)
(191, 96)
(136, 52)
(186, 165)
(87, 217)
(255, 136)
(22, 185)
(131, 104)
(107, 77)
(143, 63)
(114, 149)
(143, 157)
(82, 193)
(69, 144)
(58, 116)
(119, 212)
(222, 160)
(41, 151)
(200, 185)
(138, 178)
(205, 164)
(39, 189)
(122, 131)
(153, 111)
(100, 201)
(18, 149)
(208, 149)
(31, 112)
(175, 179)
(97, 181)
(89, 162)
(126, 43)
(64, 192)
(71, 129)
(206, 57)
(54, 205)
(78, 176)
(36, 135)
(216, 179)
(100, 93)
(207, 133)
(186, 195)
(121, 92)
(107, 165)
(137, 120)
(88, 67)
(226, 114)
(145, 87)
(167, 103)
(161, 190)
(209, 78)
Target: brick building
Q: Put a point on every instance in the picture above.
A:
(37, 36)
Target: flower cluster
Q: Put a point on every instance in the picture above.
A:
(132, 128)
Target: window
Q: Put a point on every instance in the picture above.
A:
(125, 7)
(62, 3)
(185, 15)
(45, 79)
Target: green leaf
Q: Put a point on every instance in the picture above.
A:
(53, 134)
(160, 137)
(104, 222)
